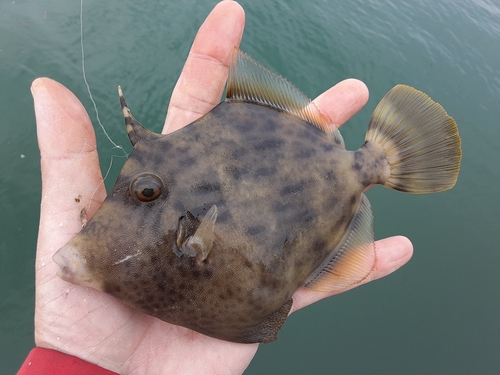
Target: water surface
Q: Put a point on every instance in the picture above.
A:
(438, 314)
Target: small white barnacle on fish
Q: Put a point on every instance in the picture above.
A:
(214, 227)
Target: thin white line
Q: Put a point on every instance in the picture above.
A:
(95, 109)
(127, 258)
(87, 84)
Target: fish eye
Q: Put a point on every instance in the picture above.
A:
(147, 187)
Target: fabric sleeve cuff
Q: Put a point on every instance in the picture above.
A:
(42, 361)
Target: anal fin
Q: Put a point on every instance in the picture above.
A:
(354, 259)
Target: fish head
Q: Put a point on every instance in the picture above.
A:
(127, 224)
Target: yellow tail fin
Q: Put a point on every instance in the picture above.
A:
(420, 139)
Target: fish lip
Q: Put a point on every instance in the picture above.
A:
(73, 266)
(63, 260)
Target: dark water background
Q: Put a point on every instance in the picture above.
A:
(440, 314)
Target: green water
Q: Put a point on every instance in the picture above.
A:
(440, 314)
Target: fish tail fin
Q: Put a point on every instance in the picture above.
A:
(420, 140)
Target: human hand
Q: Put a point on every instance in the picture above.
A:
(94, 326)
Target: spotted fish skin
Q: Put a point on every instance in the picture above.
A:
(270, 201)
(285, 193)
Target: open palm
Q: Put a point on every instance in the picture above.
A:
(92, 325)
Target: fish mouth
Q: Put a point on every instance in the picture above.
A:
(73, 266)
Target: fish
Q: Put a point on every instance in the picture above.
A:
(214, 226)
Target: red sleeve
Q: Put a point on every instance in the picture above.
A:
(41, 361)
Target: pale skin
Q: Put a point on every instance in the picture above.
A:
(94, 326)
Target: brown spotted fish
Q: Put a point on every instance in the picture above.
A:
(214, 227)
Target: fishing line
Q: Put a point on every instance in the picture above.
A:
(95, 107)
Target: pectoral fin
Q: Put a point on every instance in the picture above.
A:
(353, 261)
(201, 241)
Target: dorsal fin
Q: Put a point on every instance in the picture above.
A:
(135, 130)
(252, 82)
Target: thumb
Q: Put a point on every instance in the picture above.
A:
(71, 177)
